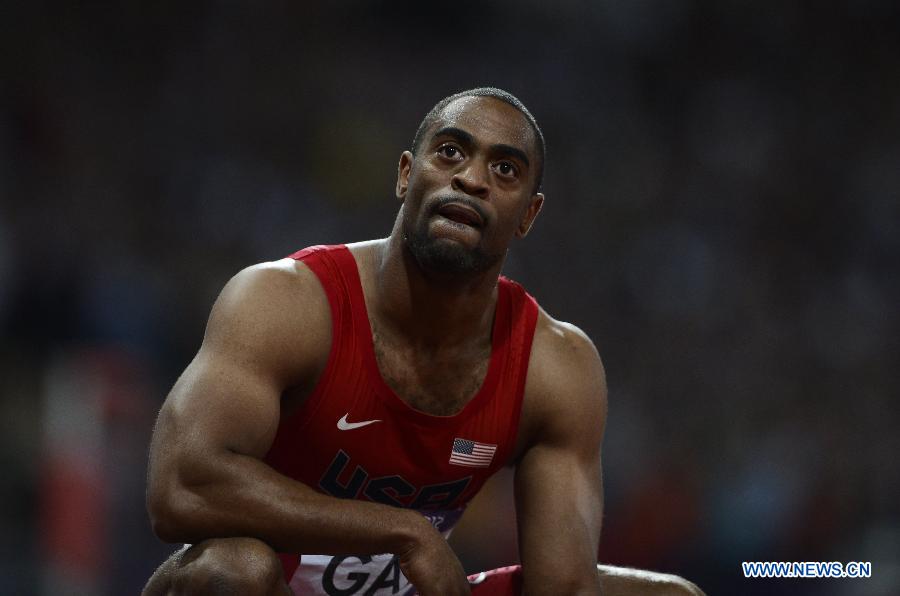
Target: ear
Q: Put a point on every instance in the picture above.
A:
(534, 207)
(406, 161)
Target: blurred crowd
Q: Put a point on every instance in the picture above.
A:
(722, 218)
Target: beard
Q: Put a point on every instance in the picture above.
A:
(444, 256)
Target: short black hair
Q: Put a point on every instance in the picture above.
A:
(496, 93)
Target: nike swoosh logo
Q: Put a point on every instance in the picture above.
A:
(342, 424)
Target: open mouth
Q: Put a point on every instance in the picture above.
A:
(461, 215)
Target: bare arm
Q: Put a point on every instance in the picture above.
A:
(268, 331)
(558, 485)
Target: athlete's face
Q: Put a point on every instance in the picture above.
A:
(470, 189)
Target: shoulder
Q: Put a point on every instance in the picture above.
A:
(565, 390)
(273, 313)
(555, 342)
(563, 356)
(282, 291)
(271, 285)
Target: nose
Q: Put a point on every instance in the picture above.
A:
(471, 179)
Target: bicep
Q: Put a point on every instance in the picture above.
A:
(216, 411)
(228, 399)
(221, 403)
(558, 477)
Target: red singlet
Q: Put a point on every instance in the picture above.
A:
(354, 438)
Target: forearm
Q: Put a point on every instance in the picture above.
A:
(588, 584)
(549, 576)
(239, 495)
(560, 558)
(558, 550)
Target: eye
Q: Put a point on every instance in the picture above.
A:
(449, 151)
(506, 169)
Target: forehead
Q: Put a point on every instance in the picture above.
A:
(488, 120)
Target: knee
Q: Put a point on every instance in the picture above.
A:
(673, 585)
(228, 566)
(620, 581)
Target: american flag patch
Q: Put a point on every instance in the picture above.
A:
(471, 453)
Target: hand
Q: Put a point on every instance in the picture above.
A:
(433, 568)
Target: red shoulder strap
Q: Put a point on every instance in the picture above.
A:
(523, 314)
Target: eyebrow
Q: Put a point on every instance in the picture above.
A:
(466, 138)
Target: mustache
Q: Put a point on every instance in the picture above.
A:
(462, 200)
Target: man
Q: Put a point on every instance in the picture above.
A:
(347, 402)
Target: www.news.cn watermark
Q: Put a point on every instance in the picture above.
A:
(808, 569)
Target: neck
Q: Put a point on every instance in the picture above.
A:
(432, 310)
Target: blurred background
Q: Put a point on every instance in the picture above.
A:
(722, 217)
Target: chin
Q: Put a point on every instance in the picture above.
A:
(441, 255)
